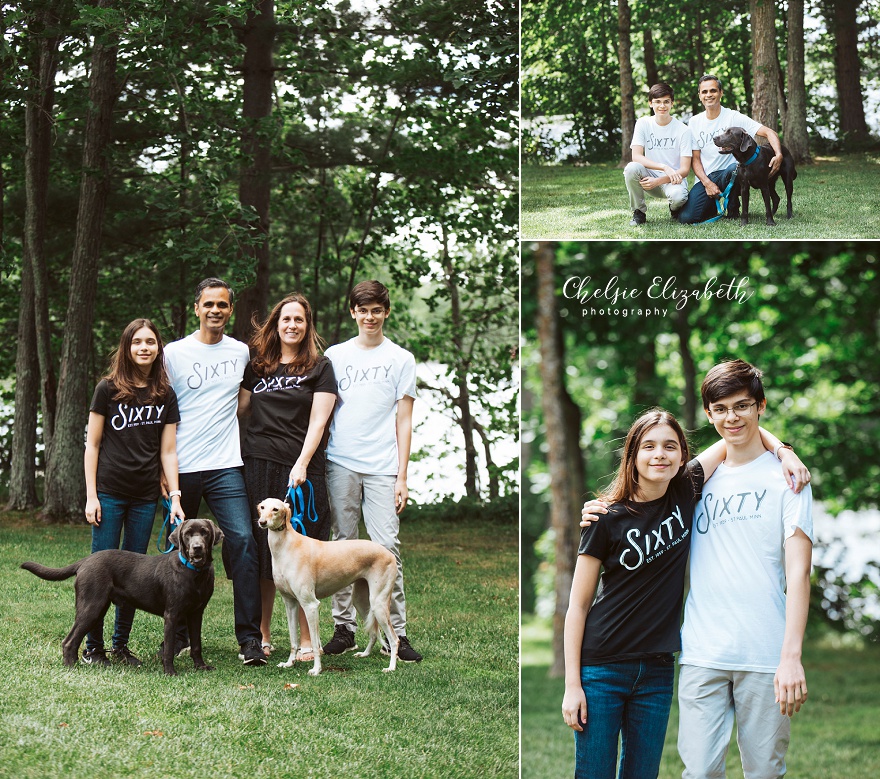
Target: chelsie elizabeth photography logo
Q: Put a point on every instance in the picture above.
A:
(614, 300)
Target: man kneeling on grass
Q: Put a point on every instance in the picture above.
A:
(661, 157)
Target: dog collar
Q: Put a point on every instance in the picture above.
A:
(753, 157)
(187, 563)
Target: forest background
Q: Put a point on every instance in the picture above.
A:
(809, 69)
(280, 146)
(808, 318)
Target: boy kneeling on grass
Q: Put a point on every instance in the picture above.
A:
(661, 157)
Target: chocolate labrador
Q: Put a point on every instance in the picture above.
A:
(754, 170)
(176, 586)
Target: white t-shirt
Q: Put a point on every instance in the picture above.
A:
(363, 433)
(206, 378)
(666, 145)
(703, 131)
(734, 618)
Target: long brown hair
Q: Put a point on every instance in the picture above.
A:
(266, 342)
(625, 486)
(124, 374)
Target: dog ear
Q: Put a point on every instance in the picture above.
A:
(285, 510)
(174, 538)
(218, 534)
(746, 141)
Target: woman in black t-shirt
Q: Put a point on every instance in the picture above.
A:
(131, 440)
(289, 391)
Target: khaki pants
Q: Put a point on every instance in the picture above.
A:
(350, 493)
(708, 699)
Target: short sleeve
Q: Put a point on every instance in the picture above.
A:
(407, 383)
(797, 512)
(639, 135)
(172, 416)
(325, 381)
(746, 122)
(101, 398)
(685, 143)
(595, 539)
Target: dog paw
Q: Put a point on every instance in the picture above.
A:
(388, 670)
(206, 667)
(286, 664)
(314, 671)
(361, 654)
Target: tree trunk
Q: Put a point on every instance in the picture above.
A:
(627, 87)
(688, 369)
(33, 357)
(256, 176)
(462, 369)
(650, 58)
(562, 439)
(794, 126)
(848, 71)
(765, 100)
(65, 483)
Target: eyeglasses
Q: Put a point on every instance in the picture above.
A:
(740, 409)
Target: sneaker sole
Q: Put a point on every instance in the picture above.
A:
(387, 653)
(336, 654)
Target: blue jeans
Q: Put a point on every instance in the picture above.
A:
(225, 494)
(629, 700)
(135, 517)
(700, 206)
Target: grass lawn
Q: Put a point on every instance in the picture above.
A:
(835, 735)
(835, 198)
(452, 715)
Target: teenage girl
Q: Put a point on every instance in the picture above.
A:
(619, 661)
(131, 440)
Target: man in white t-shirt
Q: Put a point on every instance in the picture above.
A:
(746, 610)
(368, 450)
(205, 370)
(661, 157)
(713, 170)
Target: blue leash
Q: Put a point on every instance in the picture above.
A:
(166, 511)
(302, 507)
(721, 202)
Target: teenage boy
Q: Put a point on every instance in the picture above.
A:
(746, 611)
(661, 157)
(206, 369)
(368, 450)
(714, 170)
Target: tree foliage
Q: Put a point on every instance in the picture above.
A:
(386, 120)
(571, 65)
(808, 318)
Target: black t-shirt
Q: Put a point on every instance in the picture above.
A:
(128, 461)
(280, 408)
(644, 550)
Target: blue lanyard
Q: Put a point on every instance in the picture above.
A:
(302, 507)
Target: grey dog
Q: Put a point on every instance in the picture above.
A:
(176, 586)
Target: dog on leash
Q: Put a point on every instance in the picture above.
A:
(176, 586)
(306, 570)
(754, 170)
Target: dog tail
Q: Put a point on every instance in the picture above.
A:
(52, 574)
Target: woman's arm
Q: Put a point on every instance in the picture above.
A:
(94, 436)
(244, 402)
(583, 590)
(168, 456)
(322, 407)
